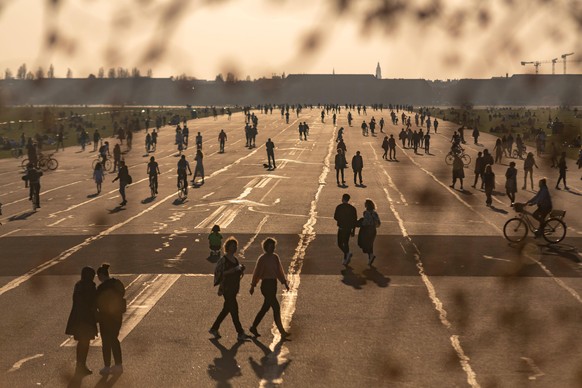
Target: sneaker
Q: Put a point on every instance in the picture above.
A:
(254, 331)
(105, 371)
(215, 333)
(116, 369)
(243, 337)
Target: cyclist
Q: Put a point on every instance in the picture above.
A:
(154, 139)
(32, 179)
(183, 165)
(543, 200)
(104, 152)
(153, 170)
(222, 139)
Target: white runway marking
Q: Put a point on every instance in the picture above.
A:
(19, 364)
(9, 233)
(176, 259)
(463, 359)
(207, 195)
(538, 372)
(59, 221)
(252, 239)
(289, 298)
(205, 222)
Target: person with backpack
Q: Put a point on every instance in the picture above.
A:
(124, 180)
(111, 305)
(227, 275)
(367, 234)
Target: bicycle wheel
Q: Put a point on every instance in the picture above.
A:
(181, 192)
(108, 165)
(466, 159)
(52, 164)
(43, 164)
(515, 154)
(554, 230)
(24, 163)
(449, 159)
(515, 230)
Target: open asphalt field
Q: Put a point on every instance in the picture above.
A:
(448, 303)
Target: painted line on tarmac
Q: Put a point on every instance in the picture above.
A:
(11, 232)
(69, 252)
(273, 373)
(463, 359)
(45, 192)
(390, 181)
(19, 364)
(252, 239)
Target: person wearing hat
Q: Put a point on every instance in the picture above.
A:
(215, 241)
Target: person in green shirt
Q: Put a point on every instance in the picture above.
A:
(215, 241)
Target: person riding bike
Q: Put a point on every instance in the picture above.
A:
(183, 165)
(543, 200)
(32, 179)
(153, 170)
(104, 152)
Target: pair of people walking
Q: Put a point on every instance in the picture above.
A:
(347, 221)
(91, 305)
(228, 274)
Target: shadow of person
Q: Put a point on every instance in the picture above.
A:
(105, 382)
(148, 200)
(566, 251)
(497, 210)
(375, 276)
(225, 368)
(21, 217)
(179, 201)
(268, 368)
(352, 279)
(213, 258)
(92, 195)
(117, 209)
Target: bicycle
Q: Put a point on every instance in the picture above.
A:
(153, 184)
(182, 189)
(48, 162)
(449, 159)
(516, 154)
(107, 166)
(17, 152)
(554, 229)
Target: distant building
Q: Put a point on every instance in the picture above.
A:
(378, 71)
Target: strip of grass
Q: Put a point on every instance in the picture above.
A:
(46, 121)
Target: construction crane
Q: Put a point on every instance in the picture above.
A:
(564, 59)
(537, 64)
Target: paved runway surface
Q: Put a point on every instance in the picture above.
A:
(448, 303)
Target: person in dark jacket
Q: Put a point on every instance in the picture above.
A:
(357, 166)
(227, 275)
(111, 305)
(367, 234)
(562, 169)
(124, 180)
(489, 183)
(82, 323)
(511, 182)
(340, 165)
(346, 217)
(543, 200)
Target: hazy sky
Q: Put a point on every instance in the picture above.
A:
(261, 37)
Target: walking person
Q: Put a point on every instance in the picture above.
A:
(98, 176)
(385, 148)
(116, 157)
(528, 164)
(61, 140)
(270, 146)
(511, 182)
(111, 305)
(367, 233)
(498, 150)
(199, 169)
(476, 135)
(222, 140)
(489, 182)
(479, 168)
(227, 275)
(562, 170)
(268, 270)
(82, 322)
(458, 171)
(346, 217)
(392, 147)
(357, 166)
(340, 163)
(124, 180)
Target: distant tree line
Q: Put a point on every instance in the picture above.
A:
(23, 73)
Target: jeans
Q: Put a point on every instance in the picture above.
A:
(109, 332)
(271, 155)
(122, 190)
(343, 239)
(337, 174)
(230, 307)
(358, 174)
(269, 291)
